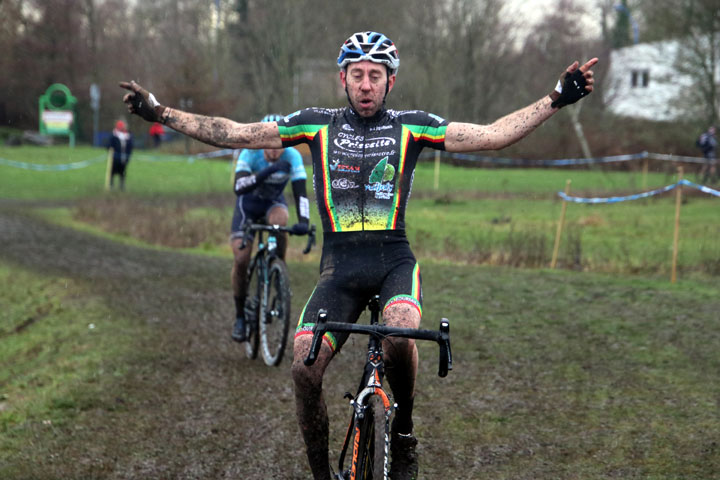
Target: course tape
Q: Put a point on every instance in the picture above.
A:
(455, 156)
(566, 161)
(638, 196)
(51, 168)
(39, 167)
(540, 163)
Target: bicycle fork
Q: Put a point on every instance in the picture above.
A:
(371, 386)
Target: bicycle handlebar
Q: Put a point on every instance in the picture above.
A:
(441, 336)
(255, 227)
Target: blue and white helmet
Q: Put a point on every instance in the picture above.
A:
(372, 46)
(272, 117)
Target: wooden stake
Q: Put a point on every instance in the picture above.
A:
(561, 222)
(436, 184)
(676, 237)
(644, 174)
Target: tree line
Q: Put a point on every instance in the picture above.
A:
(467, 60)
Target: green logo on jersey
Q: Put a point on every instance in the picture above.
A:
(383, 172)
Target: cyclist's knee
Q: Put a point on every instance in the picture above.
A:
(278, 216)
(241, 254)
(402, 315)
(308, 378)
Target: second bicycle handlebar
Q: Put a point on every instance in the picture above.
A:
(441, 336)
(255, 227)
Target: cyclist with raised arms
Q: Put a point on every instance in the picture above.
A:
(364, 157)
(260, 178)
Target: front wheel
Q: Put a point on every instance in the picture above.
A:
(252, 311)
(275, 316)
(370, 457)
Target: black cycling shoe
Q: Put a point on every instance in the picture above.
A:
(238, 333)
(403, 457)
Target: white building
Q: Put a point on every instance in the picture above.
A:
(643, 83)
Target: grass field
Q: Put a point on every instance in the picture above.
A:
(488, 216)
(557, 374)
(563, 374)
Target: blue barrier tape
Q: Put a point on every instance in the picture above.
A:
(638, 196)
(541, 163)
(616, 199)
(455, 156)
(566, 161)
(702, 188)
(51, 168)
(217, 153)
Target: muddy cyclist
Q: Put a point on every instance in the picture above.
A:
(364, 156)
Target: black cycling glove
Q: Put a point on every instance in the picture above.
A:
(300, 228)
(276, 166)
(570, 88)
(143, 103)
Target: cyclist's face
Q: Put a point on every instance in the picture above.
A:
(272, 154)
(365, 84)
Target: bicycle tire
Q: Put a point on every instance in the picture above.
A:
(275, 319)
(252, 311)
(372, 445)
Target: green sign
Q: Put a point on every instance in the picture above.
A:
(57, 112)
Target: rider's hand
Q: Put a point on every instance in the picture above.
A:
(574, 84)
(143, 103)
(300, 228)
(282, 164)
(275, 166)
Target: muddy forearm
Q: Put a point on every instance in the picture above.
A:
(222, 132)
(468, 137)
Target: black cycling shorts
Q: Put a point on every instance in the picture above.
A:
(250, 208)
(355, 266)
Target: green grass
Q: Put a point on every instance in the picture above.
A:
(148, 174)
(56, 347)
(564, 375)
(557, 374)
(495, 216)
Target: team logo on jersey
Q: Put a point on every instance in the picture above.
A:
(336, 166)
(380, 180)
(356, 143)
(344, 184)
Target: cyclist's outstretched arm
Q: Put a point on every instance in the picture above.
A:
(575, 83)
(217, 131)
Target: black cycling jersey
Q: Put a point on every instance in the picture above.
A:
(363, 167)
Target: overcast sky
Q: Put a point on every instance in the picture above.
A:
(533, 10)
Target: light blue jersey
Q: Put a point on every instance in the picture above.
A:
(253, 161)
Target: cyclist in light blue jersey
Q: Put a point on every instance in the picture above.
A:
(260, 178)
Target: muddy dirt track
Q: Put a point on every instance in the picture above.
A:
(193, 406)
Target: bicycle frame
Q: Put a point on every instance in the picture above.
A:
(370, 385)
(373, 374)
(265, 310)
(266, 252)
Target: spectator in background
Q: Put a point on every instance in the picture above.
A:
(156, 133)
(121, 144)
(708, 144)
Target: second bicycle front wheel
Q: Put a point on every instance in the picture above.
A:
(252, 311)
(275, 317)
